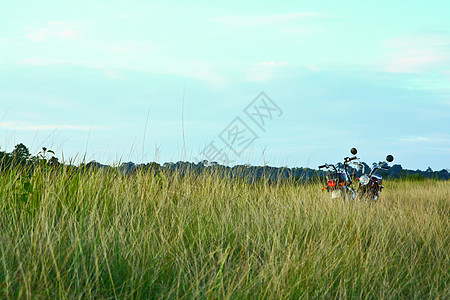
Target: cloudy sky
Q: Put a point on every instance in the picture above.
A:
(163, 81)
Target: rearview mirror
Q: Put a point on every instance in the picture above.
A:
(354, 151)
(389, 158)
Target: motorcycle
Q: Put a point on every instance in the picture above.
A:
(371, 184)
(339, 183)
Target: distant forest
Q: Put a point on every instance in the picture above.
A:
(20, 158)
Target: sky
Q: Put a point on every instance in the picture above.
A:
(292, 83)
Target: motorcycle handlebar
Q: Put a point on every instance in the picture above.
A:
(349, 159)
(322, 166)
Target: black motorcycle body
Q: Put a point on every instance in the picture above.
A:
(370, 187)
(339, 183)
(371, 184)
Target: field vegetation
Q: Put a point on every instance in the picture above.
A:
(93, 233)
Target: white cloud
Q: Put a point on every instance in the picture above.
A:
(34, 127)
(112, 74)
(73, 43)
(432, 138)
(203, 70)
(126, 16)
(126, 47)
(298, 30)
(263, 71)
(414, 61)
(419, 41)
(417, 54)
(274, 64)
(68, 34)
(432, 82)
(55, 30)
(415, 139)
(267, 19)
(36, 61)
(108, 56)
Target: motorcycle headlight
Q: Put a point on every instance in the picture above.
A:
(363, 180)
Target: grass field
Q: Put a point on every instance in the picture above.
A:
(104, 235)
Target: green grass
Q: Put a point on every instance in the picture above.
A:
(104, 235)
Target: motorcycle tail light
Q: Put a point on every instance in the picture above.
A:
(342, 183)
(331, 183)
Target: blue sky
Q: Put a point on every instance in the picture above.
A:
(122, 80)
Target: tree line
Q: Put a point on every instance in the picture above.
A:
(21, 158)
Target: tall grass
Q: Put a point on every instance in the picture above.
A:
(100, 234)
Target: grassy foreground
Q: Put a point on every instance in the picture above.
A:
(105, 235)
